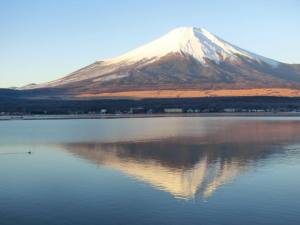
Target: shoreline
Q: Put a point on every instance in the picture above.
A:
(119, 116)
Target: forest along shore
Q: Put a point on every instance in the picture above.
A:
(112, 116)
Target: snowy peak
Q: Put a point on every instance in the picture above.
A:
(163, 63)
(196, 42)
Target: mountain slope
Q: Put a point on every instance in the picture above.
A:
(185, 59)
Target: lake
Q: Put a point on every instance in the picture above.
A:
(140, 171)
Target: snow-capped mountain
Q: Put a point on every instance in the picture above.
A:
(186, 58)
(196, 42)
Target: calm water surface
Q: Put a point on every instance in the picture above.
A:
(150, 171)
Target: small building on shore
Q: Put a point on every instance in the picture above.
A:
(173, 110)
(229, 110)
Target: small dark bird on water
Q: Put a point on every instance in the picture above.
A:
(29, 152)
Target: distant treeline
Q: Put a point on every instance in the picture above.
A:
(12, 104)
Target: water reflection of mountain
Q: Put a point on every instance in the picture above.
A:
(190, 166)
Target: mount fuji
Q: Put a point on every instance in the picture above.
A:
(186, 62)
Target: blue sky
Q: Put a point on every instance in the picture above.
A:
(44, 40)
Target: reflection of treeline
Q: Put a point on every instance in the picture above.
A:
(12, 103)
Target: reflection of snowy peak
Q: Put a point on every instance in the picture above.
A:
(195, 42)
(189, 162)
(200, 177)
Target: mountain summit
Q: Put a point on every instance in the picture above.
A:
(196, 42)
(186, 62)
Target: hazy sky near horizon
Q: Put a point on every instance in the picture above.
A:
(45, 40)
